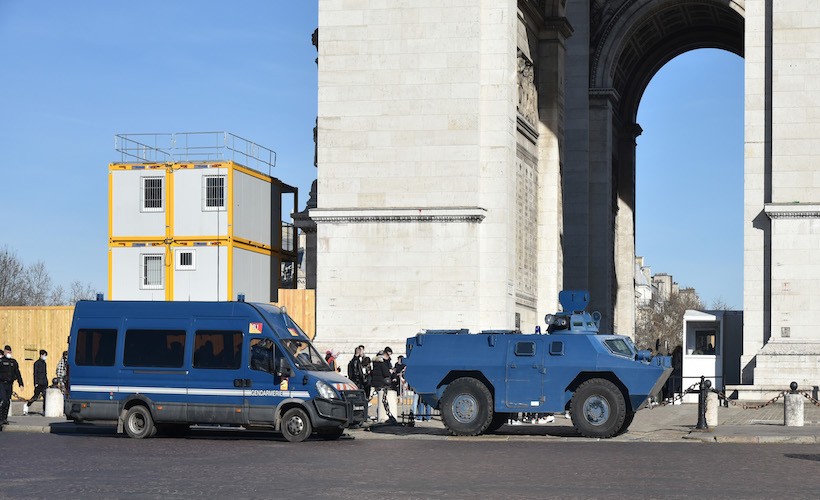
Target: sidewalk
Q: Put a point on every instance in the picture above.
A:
(660, 424)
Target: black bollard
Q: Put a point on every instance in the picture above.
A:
(704, 390)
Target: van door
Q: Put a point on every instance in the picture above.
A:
(218, 378)
(154, 364)
(267, 389)
(525, 370)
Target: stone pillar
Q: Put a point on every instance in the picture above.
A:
(576, 161)
(53, 403)
(551, 56)
(793, 410)
(624, 320)
(712, 405)
(602, 205)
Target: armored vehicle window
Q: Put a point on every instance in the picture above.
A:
(95, 347)
(154, 348)
(217, 350)
(525, 349)
(557, 348)
(619, 347)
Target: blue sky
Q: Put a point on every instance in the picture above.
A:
(76, 73)
(689, 198)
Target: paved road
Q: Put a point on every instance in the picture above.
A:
(220, 465)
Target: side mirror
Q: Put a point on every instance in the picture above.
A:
(283, 369)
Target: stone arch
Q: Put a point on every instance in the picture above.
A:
(642, 36)
(629, 42)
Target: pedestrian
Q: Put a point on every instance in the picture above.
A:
(354, 368)
(331, 359)
(62, 371)
(40, 382)
(9, 372)
(367, 371)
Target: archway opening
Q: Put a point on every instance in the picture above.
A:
(689, 175)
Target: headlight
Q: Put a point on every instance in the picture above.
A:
(326, 391)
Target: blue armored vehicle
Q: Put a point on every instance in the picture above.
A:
(478, 380)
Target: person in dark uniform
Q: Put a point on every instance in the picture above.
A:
(9, 372)
(40, 382)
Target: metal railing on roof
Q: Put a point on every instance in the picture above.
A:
(192, 147)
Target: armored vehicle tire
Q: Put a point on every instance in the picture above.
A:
(630, 415)
(295, 425)
(138, 422)
(498, 420)
(331, 435)
(598, 409)
(466, 407)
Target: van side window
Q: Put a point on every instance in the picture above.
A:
(154, 348)
(262, 355)
(95, 347)
(217, 350)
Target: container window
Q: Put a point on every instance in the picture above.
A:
(152, 194)
(218, 350)
(213, 192)
(525, 349)
(154, 348)
(152, 271)
(186, 260)
(95, 347)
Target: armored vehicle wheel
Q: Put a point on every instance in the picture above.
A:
(295, 425)
(598, 409)
(466, 407)
(630, 415)
(498, 420)
(138, 422)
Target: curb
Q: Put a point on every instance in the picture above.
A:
(715, 438)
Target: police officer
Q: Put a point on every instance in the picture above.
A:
(9, 372)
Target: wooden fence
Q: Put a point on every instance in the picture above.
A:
(29, 329)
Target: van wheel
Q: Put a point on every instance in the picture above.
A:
(295, 425)
(138, 422)
(466, 407)
(331, 435)
(598, 409)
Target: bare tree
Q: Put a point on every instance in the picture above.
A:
(660, 324)
(37, 285)
(80, 291)
(12, 282)
(22, 285)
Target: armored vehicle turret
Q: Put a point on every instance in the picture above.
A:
(478, 380)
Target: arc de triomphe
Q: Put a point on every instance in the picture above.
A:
(477, 156)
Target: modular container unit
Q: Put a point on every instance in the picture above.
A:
(195, 231)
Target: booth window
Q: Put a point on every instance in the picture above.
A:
(706, 342)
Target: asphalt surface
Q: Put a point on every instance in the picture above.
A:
(215, 464)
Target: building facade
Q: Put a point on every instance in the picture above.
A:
(476, 156)
(196, 230)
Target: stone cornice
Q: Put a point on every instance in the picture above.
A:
(792, 210)
(379, 215)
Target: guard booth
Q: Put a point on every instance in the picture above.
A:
(712, 343)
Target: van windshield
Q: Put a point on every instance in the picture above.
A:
(305, 355)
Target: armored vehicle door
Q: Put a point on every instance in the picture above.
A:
(524, 374)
